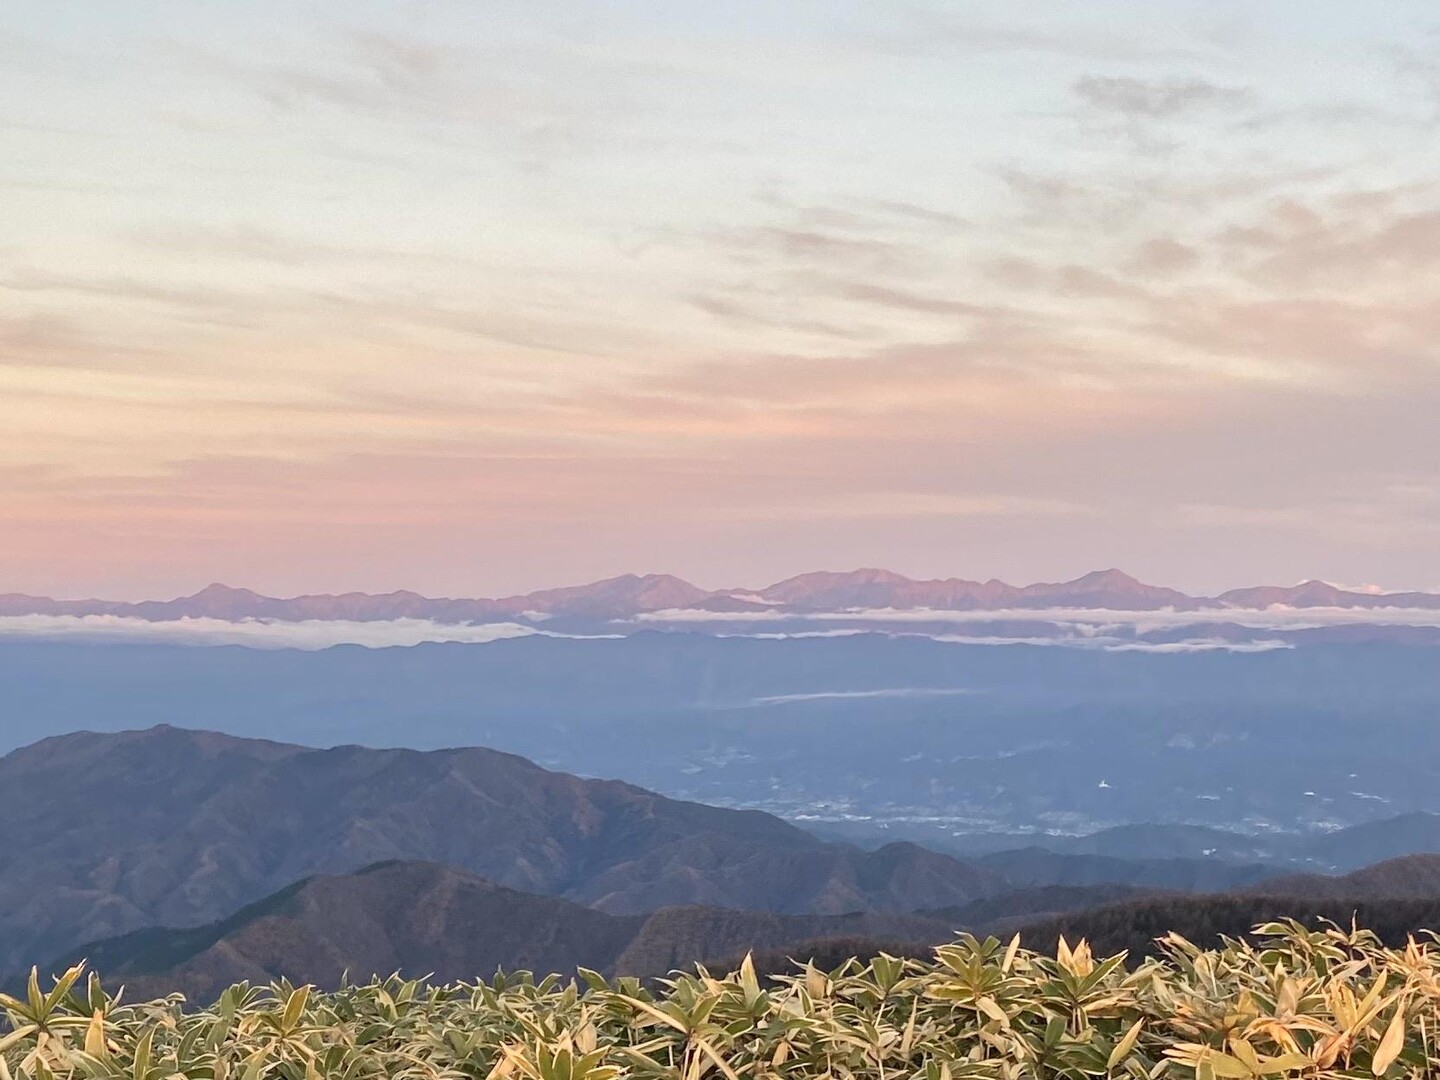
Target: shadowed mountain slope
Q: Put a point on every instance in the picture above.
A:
(1393, 898)
(1035, 902)
(426, 919)
(1408, 877)
(1040, 866)
(1204, 919)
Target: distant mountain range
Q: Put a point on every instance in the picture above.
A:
(111, 833)
(1165, 855)
(631, 595)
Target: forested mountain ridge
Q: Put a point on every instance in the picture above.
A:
(168, 827)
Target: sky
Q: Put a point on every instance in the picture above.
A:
(478, 298)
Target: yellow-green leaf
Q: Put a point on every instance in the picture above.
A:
(1125, 1045)
(1391, 1043)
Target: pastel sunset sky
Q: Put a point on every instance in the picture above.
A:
(478, 297)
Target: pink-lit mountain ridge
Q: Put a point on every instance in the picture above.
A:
(630, 595)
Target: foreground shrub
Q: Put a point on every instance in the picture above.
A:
(1298, 1002)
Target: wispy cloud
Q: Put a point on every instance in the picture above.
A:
(253, 243)
(862, 695)
(1156, 99)
(366, 71)
(930, 27)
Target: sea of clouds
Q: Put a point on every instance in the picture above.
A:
(1056, 627)
(1087, 621)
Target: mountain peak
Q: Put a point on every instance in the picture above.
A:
(847, 588)
(624, 594)
(218, 590)
(1111, 589)
(864, 575)
(1111, 578)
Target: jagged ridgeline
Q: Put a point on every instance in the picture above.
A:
(1296, 1002)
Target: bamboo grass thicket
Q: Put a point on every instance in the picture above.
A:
(1294, 1003)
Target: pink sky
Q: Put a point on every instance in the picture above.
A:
(474, 300)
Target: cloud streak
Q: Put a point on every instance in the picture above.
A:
(861, 695)
(1155, 99)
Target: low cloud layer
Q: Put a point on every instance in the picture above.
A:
(252, 633)
(1082, 621)
(401, 633)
